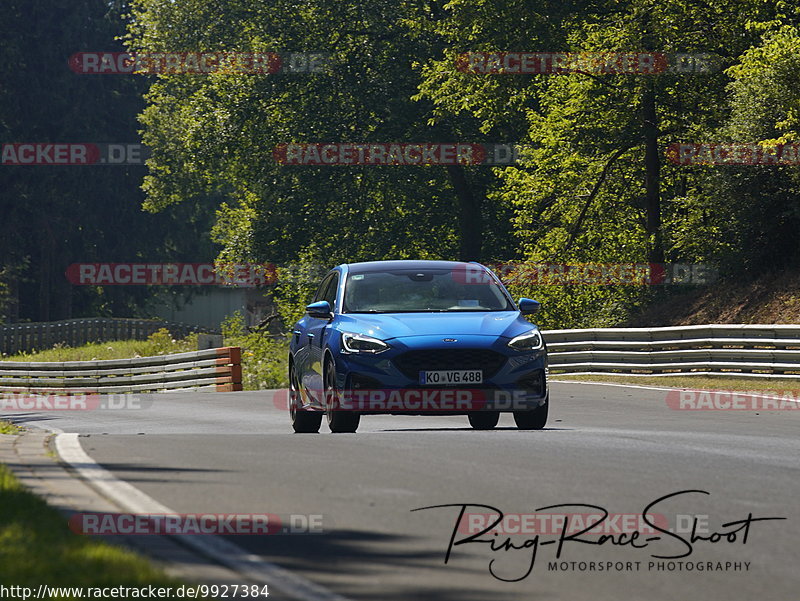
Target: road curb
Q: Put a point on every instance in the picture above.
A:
(217, 548)
(39, 470)
(73, 482)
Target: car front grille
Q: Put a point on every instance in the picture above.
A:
(413, 362)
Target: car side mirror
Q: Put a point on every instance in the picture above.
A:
(321, 309)
(528, 306)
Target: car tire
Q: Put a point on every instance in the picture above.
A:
(339, 421)
(483, 420)
(303, 422)
(533, 419)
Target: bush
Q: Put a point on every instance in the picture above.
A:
(264, 357)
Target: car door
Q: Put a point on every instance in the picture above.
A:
(315, 337)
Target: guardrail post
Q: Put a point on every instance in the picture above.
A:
(229, 370)
(236, 367)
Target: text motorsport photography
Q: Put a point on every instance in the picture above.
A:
(513, 542)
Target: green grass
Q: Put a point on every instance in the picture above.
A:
(159, 343)
(8, 428)
(37, 547)
(699, 382)
(264, 358)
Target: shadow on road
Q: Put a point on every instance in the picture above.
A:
(504, 429)
(131, 472)
(358, 564)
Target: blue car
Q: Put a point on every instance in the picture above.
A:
(416, 338)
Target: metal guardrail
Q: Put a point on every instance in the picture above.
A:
(27, 337)
(218, 369)
(731, 349)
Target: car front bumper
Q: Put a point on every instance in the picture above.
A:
(388, 382)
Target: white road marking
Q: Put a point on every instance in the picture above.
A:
(745, 392)
(221, 550)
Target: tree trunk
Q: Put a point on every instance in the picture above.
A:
(12, 302)
(469, 215)
(45, 269)
(652, 165)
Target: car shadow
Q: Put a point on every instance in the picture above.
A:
(503, 429)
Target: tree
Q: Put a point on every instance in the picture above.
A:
(215, 134)
(595, 184)
(51, 216)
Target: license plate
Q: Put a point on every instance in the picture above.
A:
(451, 376)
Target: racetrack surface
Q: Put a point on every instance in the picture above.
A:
(615, 447)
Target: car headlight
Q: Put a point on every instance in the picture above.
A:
(529, 341)
(358, 343)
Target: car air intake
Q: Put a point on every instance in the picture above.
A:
(533, 383)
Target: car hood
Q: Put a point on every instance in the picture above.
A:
(400, 325)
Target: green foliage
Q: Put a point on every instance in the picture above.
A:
(159, 343)
(264, 358)
(761, 205)
(161, 340)
(215, 134)
(233, 326)
(764, 100)
(295, 289)
(580, 195)
(582, 306)
(7, 427)
(586, 190)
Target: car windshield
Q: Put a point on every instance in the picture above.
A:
(422, 290)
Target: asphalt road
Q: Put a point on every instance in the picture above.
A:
(614, 447)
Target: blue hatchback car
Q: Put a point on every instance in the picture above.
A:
(419, 338)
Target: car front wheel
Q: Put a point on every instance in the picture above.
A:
(483, 420)
(303, 422)
(339, 420)
(533, 419)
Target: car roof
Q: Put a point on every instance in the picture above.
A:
(372, 266)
